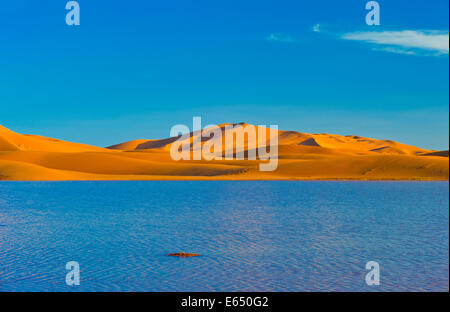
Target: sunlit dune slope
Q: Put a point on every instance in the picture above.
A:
(300, 156)
(11, 141)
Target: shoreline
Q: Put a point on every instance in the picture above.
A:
(241, 179)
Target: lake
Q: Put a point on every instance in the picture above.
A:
(252, 235)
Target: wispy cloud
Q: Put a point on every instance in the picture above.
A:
(316, 28)
(395, 50)
(404, 42)
(281, 37)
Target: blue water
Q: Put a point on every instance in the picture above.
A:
(252, 236)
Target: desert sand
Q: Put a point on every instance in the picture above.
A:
(301, 156)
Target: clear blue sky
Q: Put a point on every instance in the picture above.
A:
(133, 69)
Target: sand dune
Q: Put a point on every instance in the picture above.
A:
(10, 141)
(351, 143)
(300, 156)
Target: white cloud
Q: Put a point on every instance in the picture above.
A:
(395, 50)
(316, 28)
(280, 37)
(436, 41)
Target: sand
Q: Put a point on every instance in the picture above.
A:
(301, 156)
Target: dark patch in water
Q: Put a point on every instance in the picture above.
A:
(183, 254)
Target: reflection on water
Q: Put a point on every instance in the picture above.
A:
(253, 236)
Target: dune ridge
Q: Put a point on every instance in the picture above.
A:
(300, 156)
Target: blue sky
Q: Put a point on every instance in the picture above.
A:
(133, 69)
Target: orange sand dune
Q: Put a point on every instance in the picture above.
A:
(12, 141)
(300, 156)
(350, 143)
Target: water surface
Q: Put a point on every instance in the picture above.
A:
(253, 236)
